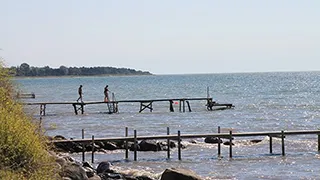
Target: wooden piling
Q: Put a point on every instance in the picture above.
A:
(282, 142)
(188, 106)
(179, 145)
(219, 144)
(168, 143)
(82, 108)
(83, 147)
(75, 109)
(42, 109)
(318, 142)
(184, 105)
(270, 144)
(135, 145)
(230, 147)
(171, 106)
(126, 144)
(92, 157)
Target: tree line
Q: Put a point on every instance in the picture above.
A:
(26, 70)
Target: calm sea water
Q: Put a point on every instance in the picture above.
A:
(263, 102)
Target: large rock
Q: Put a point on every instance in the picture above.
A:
(73, 171)
(179, 174)
(149, 145)
(212, 140)
(95, 177)
(109, 146)
(104, 167)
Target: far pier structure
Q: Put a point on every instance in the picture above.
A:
(184, 104)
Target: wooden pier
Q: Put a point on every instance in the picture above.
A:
(184, 104)
(179, 136)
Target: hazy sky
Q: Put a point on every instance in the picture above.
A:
(163, 37)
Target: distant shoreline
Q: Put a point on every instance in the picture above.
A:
(25, 70)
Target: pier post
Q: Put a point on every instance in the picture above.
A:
(126, 144)
(219, 144)
(171, 106)
(75, 109)
(282, 142)
(92, 158)
(184, 106)
(230, 147)
(188, 106)
(83, 147)
(42, 109)
(318, 142)
(168, 143)
(135, 145)
(82, 108)
(179, 145)
(270, 144)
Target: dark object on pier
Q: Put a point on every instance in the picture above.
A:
(26, 95)
(210, 104)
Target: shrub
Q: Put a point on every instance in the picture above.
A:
(23, 150)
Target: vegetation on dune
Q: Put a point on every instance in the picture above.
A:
(23, 150)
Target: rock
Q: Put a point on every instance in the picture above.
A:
(137, 178)
(109, 146)
(87, 164)
(172, 144)
(89, 169)
(70, 147)
(61, 161)
(179, 174)
(227, 143)
(164, 145)
(89, 172)
(95, 177)
(149, 145)
(103, 167)
(255, 140)
(89, 147)
(212, 140)
(73, 171)
(59, 137)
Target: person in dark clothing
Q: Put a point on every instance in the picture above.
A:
(80, 94)
(106, 94)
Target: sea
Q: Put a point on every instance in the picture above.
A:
(270, 101)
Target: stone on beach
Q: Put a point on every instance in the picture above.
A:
(179, 174)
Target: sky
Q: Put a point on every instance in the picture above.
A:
(163, 37)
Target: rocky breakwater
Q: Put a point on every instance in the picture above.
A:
(70, 169)
(103, 146)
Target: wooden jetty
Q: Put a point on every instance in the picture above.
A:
(144, 104)
(231, 136)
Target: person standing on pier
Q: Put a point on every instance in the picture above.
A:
(106, 94)
(80, 94)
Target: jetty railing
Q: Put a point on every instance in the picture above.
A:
(230, 136)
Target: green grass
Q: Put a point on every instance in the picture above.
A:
(23, 150)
